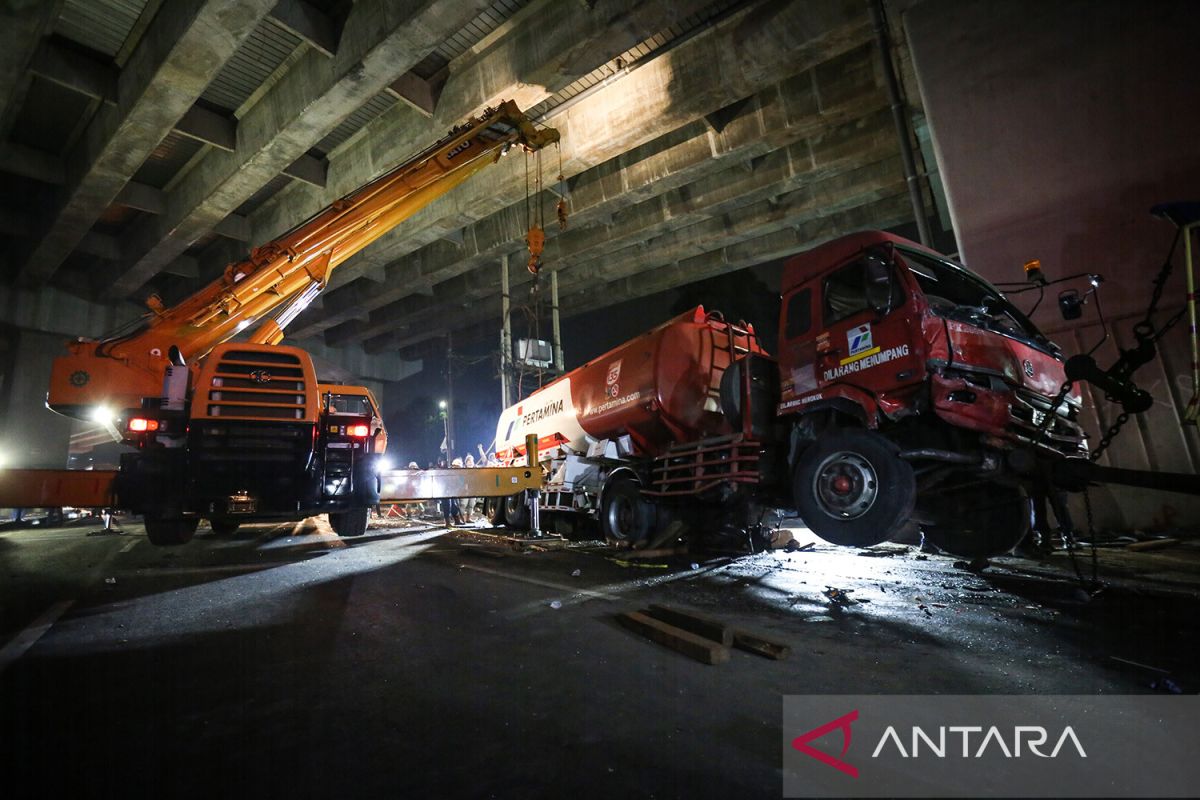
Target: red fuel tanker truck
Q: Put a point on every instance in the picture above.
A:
(905, 387)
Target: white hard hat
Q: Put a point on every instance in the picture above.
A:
(456, 462)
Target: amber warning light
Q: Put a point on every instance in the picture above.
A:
(358, 431)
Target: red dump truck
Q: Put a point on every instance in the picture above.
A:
(905, 387)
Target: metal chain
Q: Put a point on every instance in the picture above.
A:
(1109, 435)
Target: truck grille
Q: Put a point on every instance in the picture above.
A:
(1027, 413)
(252, 443)
(257, 385)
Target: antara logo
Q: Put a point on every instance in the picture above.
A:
(974, 742)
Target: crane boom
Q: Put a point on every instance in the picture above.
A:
(281, 276)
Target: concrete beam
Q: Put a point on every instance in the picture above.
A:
(379, 42)
(309, 23)
(184, 47)
(235, 227)
(75, 71)
(30, 163)
(420, 94)
(674, 254)
(22, 28)
(885, 213)
(142, 197)
(696, 78)
(553, 44)
(769, 194)
(209, 127)
(832, 110)
(100, 245)
(309, 169)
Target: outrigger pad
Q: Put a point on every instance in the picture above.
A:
(1181, 212)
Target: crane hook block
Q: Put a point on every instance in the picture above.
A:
(536, 240)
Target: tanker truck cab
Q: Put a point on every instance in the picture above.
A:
(913, 389)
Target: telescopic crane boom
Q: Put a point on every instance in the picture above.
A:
(281, 277)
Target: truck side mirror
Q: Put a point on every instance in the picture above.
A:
(1070, 304)
(879, 283)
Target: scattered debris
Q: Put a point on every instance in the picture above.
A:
(839, 597)
(556, 604)
(679, 640)
(110, 581)
(661, 552)
(880, 553)
(920, 557)
(743, 640)
(1166, 685)
(620, 562)
(795, 547)
(575, 573)
(1152, 544)
(1141, 665)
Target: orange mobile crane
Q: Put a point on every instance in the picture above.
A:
(240, 431)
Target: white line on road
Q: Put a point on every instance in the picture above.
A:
(129, 545)
(34, 631)
(562, 587)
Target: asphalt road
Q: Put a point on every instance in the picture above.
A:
(284, 661)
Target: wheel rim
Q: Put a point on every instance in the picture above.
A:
(845, 485)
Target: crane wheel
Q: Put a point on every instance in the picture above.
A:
(170, 531)
(349, 523)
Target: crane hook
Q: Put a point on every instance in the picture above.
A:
(536, 240)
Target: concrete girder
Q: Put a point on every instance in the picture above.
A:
(682, 246)
(735, 59)
(813, 162)
(185, 46)
(553, 44)
(381, 40)
(22, 29)
(887, 212)
(689, 167)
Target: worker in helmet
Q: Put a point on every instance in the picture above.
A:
(451, 512)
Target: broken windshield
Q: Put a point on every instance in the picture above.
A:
(955, 293)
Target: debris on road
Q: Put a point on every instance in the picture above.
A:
(839, 597)
(744, 640)
(692, 622)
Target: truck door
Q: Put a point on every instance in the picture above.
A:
(867, 338)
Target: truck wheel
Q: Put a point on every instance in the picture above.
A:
(515, 509)
(349, 523)
(493, 507)
(223, 527)
(625, 516)
(851, 488)
(170, 531)
(980, 521)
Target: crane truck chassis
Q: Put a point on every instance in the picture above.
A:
(906, 389)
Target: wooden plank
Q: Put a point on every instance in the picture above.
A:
(1152, 544)
(689, 644)
(743, 640)
(692, 622)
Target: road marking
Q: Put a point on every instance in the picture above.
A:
(562, 587)
(34, 631)
(129, 545)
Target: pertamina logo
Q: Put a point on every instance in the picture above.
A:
(612, 389)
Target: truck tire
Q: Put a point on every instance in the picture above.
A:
(224, 527)
(349, 523)
(980, 521)
(625, 516)
(852, 488)
(493, 508)
(515, 509)
(170, 531)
